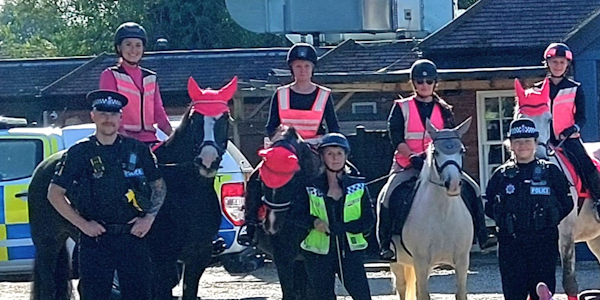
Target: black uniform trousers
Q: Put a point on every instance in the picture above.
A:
(583, 165)
(526, 261)
(321, 271)
(100, 257)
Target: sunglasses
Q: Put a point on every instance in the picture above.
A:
(428, 81)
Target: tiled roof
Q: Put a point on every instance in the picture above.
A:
(25, 77)
(352, 56)
(210, 68)
(512, 23)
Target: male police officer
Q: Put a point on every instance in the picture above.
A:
(114, 208)
(527, 197)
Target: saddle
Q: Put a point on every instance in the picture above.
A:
(582, 191)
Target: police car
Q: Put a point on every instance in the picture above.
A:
(23, 148)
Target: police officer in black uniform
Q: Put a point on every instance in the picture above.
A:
(527, 197)
(116, 191)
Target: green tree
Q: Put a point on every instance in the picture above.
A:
(34, 28)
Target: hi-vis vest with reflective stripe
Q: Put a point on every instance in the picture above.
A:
(306, 122)
(563, 110)
(138, 115)
(318, 242)
(416, 136)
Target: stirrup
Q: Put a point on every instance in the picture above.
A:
(246, 235)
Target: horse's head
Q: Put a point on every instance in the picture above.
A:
(286, 167)
(535, 105)
(202, 136)
(445, 156)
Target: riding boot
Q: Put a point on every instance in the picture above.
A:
(385, 234)
(246, 235)
(474, 204)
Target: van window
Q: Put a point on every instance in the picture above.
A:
(19, 157)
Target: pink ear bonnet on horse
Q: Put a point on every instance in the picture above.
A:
(533, 102)
(210, 102)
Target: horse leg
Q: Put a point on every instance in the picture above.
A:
(194, 267)
(422, 271)
(51, 272)
(399, 279)
(461, 268)
(566, 246)
(284, 262)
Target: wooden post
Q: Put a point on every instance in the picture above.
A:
(238, 117)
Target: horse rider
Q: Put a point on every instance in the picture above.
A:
(116, 191)
(567, 103)
(140, 85)
(301, 104)
(406, 127)
(527, 197)
(336, 216)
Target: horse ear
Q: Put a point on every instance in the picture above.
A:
(227, 92)
(519, 90)
(463, 127)
(194, 90)
(431, 129)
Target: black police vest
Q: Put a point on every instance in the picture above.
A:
(113, 179)
(526, 205)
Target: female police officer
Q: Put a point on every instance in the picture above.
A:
(527, 197)
(111, 171)
(336, 216)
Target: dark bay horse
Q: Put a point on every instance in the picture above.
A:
(187, 223)
(280, 238)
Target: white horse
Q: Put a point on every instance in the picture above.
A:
(438, 230)
(575, 228)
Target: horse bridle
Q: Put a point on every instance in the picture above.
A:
(279, 207)
(447, 163)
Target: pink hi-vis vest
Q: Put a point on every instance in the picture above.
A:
(416, 136)
(138, 114)
(306, 122)
(563, 110)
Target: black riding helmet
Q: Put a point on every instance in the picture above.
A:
(558, 50)
(302, 51)
(130, 30)
(335, 139)
(423, 69)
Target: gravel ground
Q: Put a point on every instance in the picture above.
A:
(483, 283)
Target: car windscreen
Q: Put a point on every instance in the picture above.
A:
(19, 157)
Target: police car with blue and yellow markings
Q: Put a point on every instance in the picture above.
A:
(23, 148)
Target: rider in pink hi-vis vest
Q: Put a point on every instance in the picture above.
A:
(407, 132)
(302, 104)
(138, 84)
(415, 136)
(568, 117)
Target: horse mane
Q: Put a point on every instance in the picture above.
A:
(183, 126)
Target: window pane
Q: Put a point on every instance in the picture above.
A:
(492, 108)
(19, 158)
(493, 130)
(495, 155)
(505, 127)
(508, 106)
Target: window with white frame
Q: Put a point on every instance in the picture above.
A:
(364, 108)
(494, 114)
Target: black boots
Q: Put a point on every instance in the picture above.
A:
(246, 235)
(385, 235)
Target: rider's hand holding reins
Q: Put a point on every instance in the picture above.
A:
(571, 132)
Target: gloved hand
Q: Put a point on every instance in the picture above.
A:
(569, 131)
(417, 161)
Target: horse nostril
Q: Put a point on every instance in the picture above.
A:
(447, 184)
